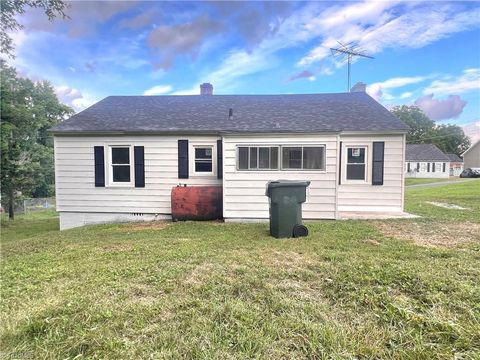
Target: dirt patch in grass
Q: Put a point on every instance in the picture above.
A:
(141, 226)
(438, 234)
(117, 248)
(286, 259)
(200, 274)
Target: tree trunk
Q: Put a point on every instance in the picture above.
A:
(11, 199)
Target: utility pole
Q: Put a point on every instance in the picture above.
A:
(348, 52)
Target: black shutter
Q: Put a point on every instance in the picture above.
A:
(139, 157)
(418, 167)
(408, 167)
(378, 160)
(99, 158)
(183, 159)
(444, 167)
(433, 167)
(219, 159)
(340, 164)
(428, 167)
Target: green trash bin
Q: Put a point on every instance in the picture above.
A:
(286, 198)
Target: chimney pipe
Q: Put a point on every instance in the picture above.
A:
(359, 87)
(206, 89)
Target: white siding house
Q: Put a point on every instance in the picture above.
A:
(471, 157)
(119, 159)
(426, 161)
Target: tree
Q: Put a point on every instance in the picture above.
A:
(11, 8)
(27, 110)
(448, 138)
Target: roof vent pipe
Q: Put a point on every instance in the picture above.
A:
(230, 114)
(206, 89)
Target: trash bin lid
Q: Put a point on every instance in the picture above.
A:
(287, 183)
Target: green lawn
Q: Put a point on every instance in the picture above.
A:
(352, 289)
(418, 181)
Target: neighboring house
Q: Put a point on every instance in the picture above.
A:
(119, 159)
(426, 161)
(456, 164)
(471, 157)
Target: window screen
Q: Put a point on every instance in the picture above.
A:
(356, 163)
(120, 164)
(257, 158)
(203, 159)
(306, 157)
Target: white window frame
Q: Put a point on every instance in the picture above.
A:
(301, 159)
(110, 166)
(191, 159)
(367, 179)
(257, 169)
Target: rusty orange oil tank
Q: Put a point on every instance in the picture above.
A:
(197, 203)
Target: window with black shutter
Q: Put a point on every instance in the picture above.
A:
(378, 162)
(183, 159)
(139, 159)
(99, 159)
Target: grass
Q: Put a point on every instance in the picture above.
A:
(214, 291)
(419, 181)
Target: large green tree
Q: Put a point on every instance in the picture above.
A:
(423, 130)
(10, 9)
(27, 110)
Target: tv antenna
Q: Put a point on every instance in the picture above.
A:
(348, 52)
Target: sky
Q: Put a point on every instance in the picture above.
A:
(425, 53)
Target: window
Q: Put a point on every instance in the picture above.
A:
(203, 160)
(120, 161)
(257, 158)
(444, 167)
(303, 157)
(356, 163)
(433, 167)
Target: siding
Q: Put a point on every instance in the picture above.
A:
(244, 191)
(471, 158)
(367, 197)
(75, 182)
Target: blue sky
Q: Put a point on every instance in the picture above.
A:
(426, 53)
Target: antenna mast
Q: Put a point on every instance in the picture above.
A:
(348, 52)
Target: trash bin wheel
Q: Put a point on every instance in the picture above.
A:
(300, 230)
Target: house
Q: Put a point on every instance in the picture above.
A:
(456, 164)
(119, 159)
(426, 161)
(471, 157)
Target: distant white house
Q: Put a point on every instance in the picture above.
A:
(456, 164)
(471, 157)
(426, 161)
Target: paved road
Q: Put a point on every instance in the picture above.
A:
(433, 184)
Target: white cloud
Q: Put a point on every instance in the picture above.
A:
(74, 97)
(469, 80)
(435, 109)
(406, 95)
(374, 27)
(158, 90)
(379, 90)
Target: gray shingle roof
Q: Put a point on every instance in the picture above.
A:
(424, 152)
(454, 158)
(251, 113)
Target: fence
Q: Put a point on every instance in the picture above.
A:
(34, 204)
